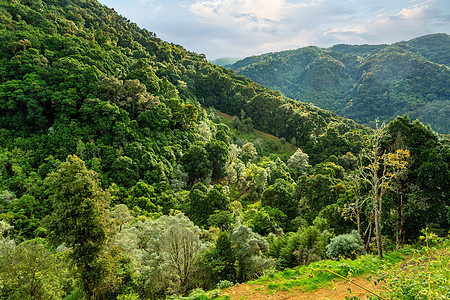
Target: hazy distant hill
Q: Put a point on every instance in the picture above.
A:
(364, 82)
(226, 61)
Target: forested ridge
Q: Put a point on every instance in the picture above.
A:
(364, 82)
(119, 179)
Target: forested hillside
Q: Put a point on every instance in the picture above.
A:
(119, 178)
(364, 82)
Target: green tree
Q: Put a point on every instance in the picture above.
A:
(248, 247)
(196, 163)
(79, 219)
(379, 174)
(281, 195)
(298, 161)
(221, 259)
(31, 271)
(218, 156)
(205, 203)
(165, 253)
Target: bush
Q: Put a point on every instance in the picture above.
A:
(223, 284)
(346, 245)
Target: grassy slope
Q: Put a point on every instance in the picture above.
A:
(423, 274)
(272, 145)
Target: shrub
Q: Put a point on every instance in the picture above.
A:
(223, 284)
(346, 245)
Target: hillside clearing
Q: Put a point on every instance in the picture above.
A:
(337, 291)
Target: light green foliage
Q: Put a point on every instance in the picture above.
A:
(347, 245)
(248, 248)
(279, 170)
(30, 270)
(120, 214)
(128, 296)
(6, 196)
(248, 152)
(164, 251)
(204, 131)
(258, 180)
(298, 161)
(314, 276)
(223, 284)
(264, 219)
(302, 247)
(427, 275)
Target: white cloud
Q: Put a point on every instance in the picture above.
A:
(258, 26)
(252, 15)
(247, 27)
(408, 22)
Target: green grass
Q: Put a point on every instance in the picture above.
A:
(426, 275)
(313, 277)
(271, 145)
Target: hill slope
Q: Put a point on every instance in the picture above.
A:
(79, 64)
(110, 144)
(364, 82)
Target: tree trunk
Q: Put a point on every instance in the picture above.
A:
(377, 213)
(368, 236)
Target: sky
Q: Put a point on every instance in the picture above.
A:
(241, 28)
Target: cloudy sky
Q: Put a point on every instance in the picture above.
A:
(240, 28)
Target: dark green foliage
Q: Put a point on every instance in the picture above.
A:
(281, 195)
(223, 220)
(428, 171)
(197, 164)
(366, 82)
(79, 219)
(221, 259)
(218, 156)
(317, 191)
(205, 203)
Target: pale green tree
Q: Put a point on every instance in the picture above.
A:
(298, 161)
(248, 248)
(164, 251)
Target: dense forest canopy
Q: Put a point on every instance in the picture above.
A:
(131, 168)
(364, 82)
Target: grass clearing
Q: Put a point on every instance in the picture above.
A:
(270, 144)
(314, 276)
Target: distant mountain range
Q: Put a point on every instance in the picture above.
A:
(364, 82)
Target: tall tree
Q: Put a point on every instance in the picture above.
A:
(79, 219)
(380, 172)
